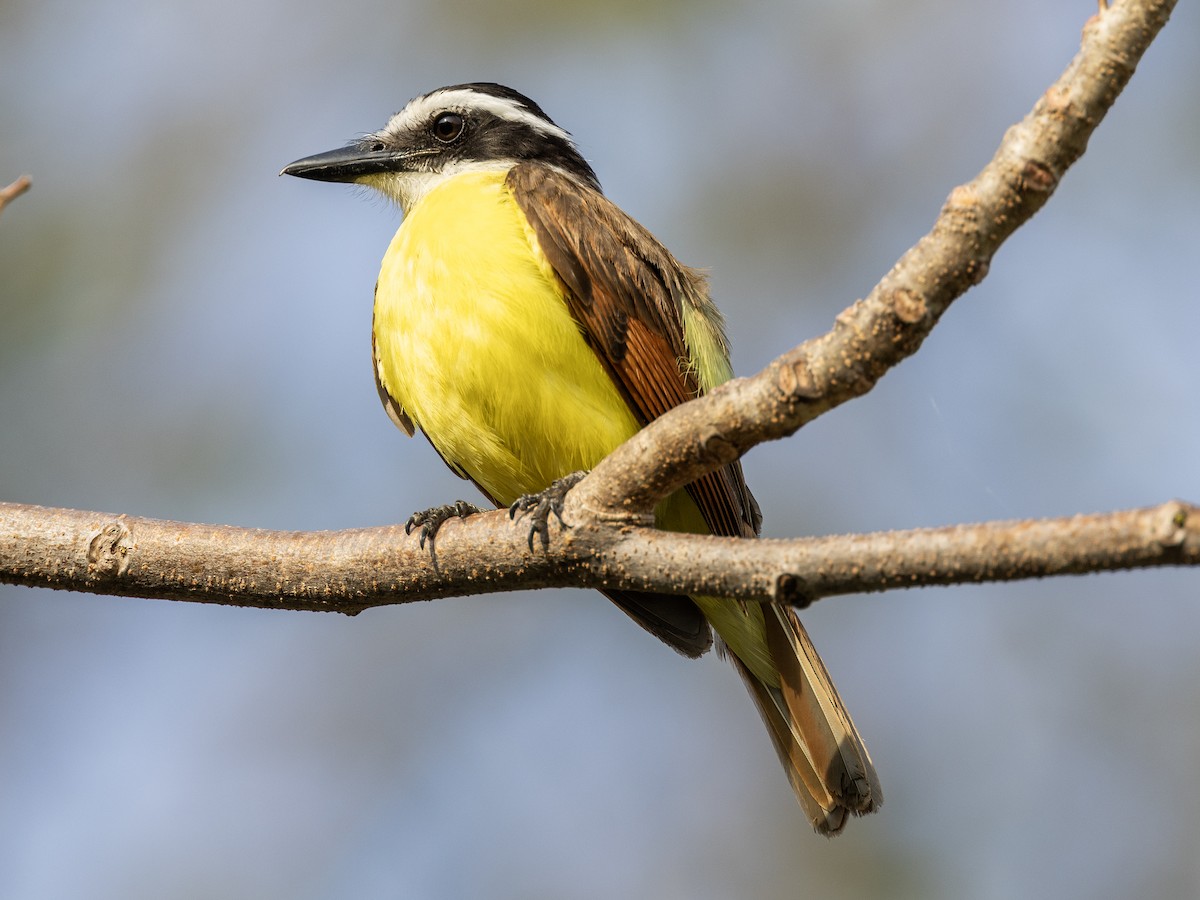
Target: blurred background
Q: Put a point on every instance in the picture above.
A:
(184, 335)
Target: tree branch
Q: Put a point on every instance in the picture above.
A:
(877, 333)
(348, 571)
(14, 190)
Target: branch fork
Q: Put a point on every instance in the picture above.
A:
(610, 542)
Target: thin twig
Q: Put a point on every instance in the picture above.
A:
(14, 190)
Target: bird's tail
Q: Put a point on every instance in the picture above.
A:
(826, 761)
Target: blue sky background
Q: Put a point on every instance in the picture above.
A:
(185, 335)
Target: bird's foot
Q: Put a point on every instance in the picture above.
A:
(430, 520)
(541, 505)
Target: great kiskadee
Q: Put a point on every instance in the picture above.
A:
(527, 326)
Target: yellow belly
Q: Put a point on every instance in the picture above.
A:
(476, 344)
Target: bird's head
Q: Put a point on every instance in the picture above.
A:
(449, 131)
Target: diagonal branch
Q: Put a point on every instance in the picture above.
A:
(879, 332)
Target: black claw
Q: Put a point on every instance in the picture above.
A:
(430, 520)
(541, 505)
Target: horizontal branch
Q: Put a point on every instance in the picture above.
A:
(351, 570)
(802, 570)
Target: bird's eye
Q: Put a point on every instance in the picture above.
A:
(447, 127)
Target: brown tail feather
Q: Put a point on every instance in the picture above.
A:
(826, 761)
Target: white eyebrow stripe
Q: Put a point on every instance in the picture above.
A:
(422, 108)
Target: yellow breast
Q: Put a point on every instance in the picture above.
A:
(475, 342)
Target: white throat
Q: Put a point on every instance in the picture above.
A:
(409, 188)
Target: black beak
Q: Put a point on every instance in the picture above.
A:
(347, 164)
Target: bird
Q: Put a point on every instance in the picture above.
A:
(527, 326)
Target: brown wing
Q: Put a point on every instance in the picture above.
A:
(627, 292)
